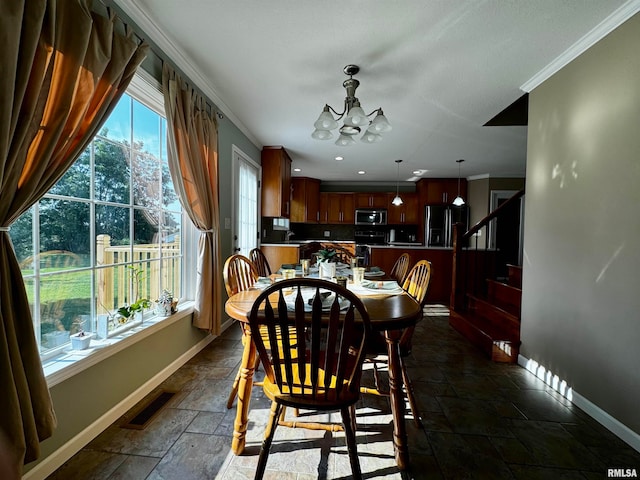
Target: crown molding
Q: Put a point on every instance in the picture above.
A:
(606, 26)
(182, 61)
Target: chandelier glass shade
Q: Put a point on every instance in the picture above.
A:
(355, 118)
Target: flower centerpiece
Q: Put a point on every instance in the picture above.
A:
(326, 263)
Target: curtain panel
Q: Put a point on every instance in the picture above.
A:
(62, 70)
(192, 147)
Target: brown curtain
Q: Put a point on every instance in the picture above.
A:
(192, 139)
(62, 70)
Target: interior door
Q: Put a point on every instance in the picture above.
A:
(246, 203)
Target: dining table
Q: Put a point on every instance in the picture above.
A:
(390, 312)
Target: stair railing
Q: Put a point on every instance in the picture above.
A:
(472, 261)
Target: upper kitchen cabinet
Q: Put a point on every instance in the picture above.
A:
(371, 200)
(305, 200)
(276, 182)
(340, 208)
(439, 190)
(406, 214)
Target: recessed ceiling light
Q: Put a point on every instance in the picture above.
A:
(297, 170)
(361, 172)
(339, 158)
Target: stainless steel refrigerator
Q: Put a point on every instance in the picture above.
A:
(439, 220)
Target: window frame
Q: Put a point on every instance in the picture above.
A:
(144, 89)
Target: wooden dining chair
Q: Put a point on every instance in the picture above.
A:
(260, 262)
(400, 268)
(318, 360)
(416, 284)
(239, 274)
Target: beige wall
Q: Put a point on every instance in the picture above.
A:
(581, 301)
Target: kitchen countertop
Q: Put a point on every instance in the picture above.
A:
(297, 243)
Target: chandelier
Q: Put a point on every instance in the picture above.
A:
(354, 117)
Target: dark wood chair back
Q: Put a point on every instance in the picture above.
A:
(400, 268)
(317, 363)
(260, 262)
(239, 274)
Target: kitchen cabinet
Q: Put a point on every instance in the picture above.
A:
(340, 208)
(305, 200)
(371, 200)
(277, 255)
(276, 182)
(440, 190)
(406, 214)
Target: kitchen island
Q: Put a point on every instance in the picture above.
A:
(289, 253)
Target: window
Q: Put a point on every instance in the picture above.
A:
(109, 234)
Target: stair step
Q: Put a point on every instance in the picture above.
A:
(479, 331)
(498, 319)
(515, 275)
(505, 296)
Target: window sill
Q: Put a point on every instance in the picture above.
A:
(72, 362)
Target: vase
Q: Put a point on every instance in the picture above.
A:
(327, 270)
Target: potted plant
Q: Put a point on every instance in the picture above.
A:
(140, 304)
(326, 263)
(81, 339)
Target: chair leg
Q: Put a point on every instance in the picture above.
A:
(350, 435)
(234, 388)
(417, 418)
(268, 438)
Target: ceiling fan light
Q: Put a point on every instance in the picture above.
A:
(458, 201)
(322, 134)
(345, 141)
(325, 121)
(397, 201)
(380, 124)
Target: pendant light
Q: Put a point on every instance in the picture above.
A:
(397, 201)
(459, 201)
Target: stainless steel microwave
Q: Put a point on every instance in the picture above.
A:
(371, 216)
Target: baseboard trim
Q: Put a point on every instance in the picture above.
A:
(73, 446)
(610, 423)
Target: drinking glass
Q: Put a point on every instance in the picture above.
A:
(288, 273)
(305, 266)
(358, 275)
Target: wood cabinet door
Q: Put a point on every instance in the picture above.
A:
(324, 207)
(305, 200)
(371, 199)
(276, 182)
(405, 214)
(341, 208)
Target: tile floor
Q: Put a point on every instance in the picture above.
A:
(482, 420)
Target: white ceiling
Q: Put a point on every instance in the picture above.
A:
(439, 69)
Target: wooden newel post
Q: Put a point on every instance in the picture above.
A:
(454, 300)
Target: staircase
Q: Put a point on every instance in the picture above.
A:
(483, 308)
(493, 323)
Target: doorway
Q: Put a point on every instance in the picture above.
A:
(246, 202)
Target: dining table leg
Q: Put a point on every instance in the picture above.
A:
(400, 442)
(244, 393)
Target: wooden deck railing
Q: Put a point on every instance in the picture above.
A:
(116, 286)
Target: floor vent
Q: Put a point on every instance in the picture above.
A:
(149, 411)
